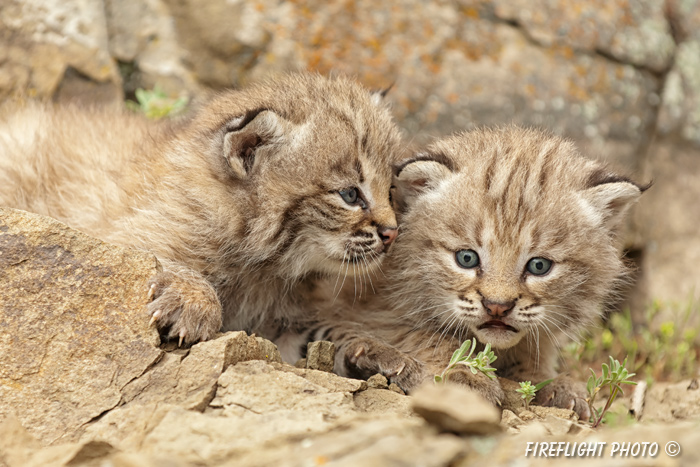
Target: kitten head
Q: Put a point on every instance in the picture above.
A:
(304, 165)
(507, 233)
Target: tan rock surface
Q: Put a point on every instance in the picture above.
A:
(75, 332)
(456, 409)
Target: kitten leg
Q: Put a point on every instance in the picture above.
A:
(184, 305)
(364, 356)
(566, 393)
(562, 392)
(490, 389)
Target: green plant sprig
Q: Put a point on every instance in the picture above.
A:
(614, 376)
(156, 104)
(528, 391)
(463, 356)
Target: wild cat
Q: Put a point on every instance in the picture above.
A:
(246, 203)
(507, 235)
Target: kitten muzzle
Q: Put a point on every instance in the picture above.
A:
(497, 324)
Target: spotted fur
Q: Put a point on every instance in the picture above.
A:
(510, 195)
(240, 202)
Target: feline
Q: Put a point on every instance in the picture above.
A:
(507, 235)
(246, 203)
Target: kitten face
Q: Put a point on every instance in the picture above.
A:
(516, 240)
(312, 158)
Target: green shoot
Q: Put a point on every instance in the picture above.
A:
(614, 376)
(463, 356)
(156, 104)
(527, 391)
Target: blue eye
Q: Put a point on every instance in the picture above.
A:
(467, 259)
(349, 195)
(539, 266)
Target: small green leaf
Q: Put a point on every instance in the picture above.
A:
(542, 384)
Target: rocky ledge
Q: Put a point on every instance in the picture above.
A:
(83, 381)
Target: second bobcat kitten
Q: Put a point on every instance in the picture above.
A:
(245, 204)
(508, 236)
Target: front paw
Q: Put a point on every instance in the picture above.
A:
(367, 357)
(184, 307)
(489, 388)
(565, 393)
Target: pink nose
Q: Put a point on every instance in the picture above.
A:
(387, 234)
(496, 309)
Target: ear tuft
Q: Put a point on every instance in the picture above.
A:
(379, 96)
(418, 175)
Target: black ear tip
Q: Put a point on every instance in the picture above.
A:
(602, 176)
(646, 186)
(438, 157)
(386, 90)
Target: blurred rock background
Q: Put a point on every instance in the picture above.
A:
(620, 77)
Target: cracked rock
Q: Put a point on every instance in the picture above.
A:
(75, 331)
(320, 355)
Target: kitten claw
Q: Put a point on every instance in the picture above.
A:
(183, 333)
(154, 317)
(401, 368)
(359, 352)
(151, 291)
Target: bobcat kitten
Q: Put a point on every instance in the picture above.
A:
(507, 235)
(245, 204)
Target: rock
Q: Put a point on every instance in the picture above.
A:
(545, 412)
(330, 381)
(48, 45)
(380, 401)
(142, 38)
(456, 409)
(395, 388)
(20, 449)
(557, 426)
(301, 363)
(378, 382)
(362, 440)
(635, 32)
(239, 388)
(187, 380)
(668, 219)
(667, 402)
(320, 356)
(75, 331)
(509, 419)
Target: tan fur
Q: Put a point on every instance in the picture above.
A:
(240, 202)
(511, 195)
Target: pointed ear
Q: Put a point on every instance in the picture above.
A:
(611, 196)
(378, 96)
(417, 175)
(245, 134)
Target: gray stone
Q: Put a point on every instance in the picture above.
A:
(320, 355)
(631, 31)
(43, 40)
(75, 330)
(456, 409)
